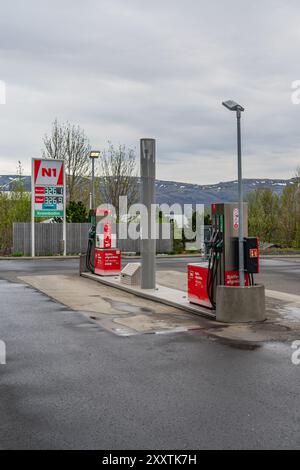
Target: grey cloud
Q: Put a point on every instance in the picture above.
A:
(127, 69)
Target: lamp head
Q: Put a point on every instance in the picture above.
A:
(233, 106)
(95, 154)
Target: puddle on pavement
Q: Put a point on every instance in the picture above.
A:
(290, 313)
(279, 348)
(271, 327)
(238, 344)
(128, 308)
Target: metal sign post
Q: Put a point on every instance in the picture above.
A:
(32, 211)
(48, 194)
(65, 213)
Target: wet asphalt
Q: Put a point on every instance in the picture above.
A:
(282, 274)
(68, 384)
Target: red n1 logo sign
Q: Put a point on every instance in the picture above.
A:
(48, 172)
(236, 222)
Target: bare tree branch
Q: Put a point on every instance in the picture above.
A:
(118, 175)
(69, 143)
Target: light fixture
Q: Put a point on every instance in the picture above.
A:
(233, 106)
(95, 154)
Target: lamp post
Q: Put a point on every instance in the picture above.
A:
(94, 154)
(233, 106)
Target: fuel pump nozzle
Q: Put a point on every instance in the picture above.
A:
(216, 248)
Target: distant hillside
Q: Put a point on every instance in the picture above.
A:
(171, 192)
(183, 193)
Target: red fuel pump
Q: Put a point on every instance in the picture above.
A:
(107, 256)
(103, 245)
(222, 265)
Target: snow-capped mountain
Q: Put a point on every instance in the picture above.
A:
(171, 192)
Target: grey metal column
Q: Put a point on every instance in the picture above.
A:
(93, 183)
(148, 245)
(241, 205)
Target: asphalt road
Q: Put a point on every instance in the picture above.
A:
(281, 274)
(277, 274)
(69, 384)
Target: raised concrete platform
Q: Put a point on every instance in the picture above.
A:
(126, 314)
(165, 295)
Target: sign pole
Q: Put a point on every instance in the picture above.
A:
(65, 218)
(32, 211)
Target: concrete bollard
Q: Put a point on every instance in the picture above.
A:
(240, 304)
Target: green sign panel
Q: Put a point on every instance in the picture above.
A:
(48, 213)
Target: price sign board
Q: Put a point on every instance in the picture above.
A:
(48, 188)
(48, 193)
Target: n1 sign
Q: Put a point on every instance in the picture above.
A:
(48, 188)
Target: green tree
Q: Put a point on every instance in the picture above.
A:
(264, 208)
(15, 206)
(290, 213)
(76, 212)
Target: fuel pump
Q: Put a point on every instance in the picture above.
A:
(107, 257)
(222, 265)
(215, 247)
(103, 257)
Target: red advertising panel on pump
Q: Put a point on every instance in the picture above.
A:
(107, 262)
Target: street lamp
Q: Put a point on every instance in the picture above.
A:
(233, 106)
(93, 155)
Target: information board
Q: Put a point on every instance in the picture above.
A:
(48, 188)
(48, 193)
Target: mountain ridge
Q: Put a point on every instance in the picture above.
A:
(171, 192)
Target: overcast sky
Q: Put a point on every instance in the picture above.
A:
(126, 69)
